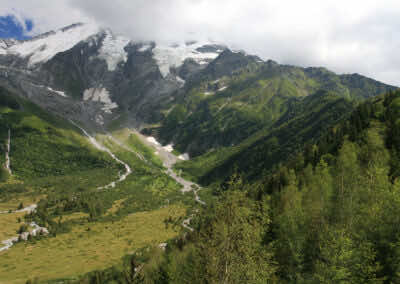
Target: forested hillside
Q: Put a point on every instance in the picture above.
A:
(237, 96)
(328, 215)
(305, 121)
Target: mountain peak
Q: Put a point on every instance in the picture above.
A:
(45, 46)
(173, 56)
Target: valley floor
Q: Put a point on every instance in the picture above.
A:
(89, 246)
(143, 201)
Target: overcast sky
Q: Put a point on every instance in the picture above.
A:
(346, 36)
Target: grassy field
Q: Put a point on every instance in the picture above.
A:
(87, 247)
(133, 142)
(147, 188)
(53, 161)
(9, 221)
(73, 217)
(137, 209)
(15, 200)
(9, 225)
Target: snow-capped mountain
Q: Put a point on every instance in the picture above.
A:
(41, 49)
(89, 73)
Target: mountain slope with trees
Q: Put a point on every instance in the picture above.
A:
(299, 166)
(330, 214)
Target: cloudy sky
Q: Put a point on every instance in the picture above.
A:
(346, 36)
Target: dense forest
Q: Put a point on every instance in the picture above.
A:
(328, 215)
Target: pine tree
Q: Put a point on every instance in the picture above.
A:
(230, 242)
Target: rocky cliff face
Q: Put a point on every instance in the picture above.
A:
(94, 76)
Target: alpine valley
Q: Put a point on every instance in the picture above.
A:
(191, 162)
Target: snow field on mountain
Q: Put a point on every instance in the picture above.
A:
(100, 95)
(43, 49)
(3, 47)
(112, 50)
(168, 56)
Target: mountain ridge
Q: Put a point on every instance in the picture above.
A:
(102, 80)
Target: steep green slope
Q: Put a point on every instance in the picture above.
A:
(343, 192)
(329, 215)
(44, 146)
(305, 121)
(222, 106)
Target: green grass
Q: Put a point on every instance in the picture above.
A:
(12, 201)
(133, 141)
(52, 161)
(134, 214)
(147, 188)
(257, 97)
(89, 246)
(269, 146)
(45, 146)
(9, 225)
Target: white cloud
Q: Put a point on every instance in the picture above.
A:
(343, 35)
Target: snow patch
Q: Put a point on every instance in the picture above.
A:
(3, 48)
(112, 50)
(3, 44)
(42, 49)
(99, 119)
(153, 140)
(223, 88)
(184, 157)
(8, 152)
(57, 92)
(180, 80)
(168, 56)
(169, 148)
(144, 48)
(100, 95)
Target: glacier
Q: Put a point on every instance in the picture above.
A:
(168, 56)
(42, 49)
(113, 50)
